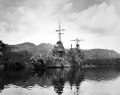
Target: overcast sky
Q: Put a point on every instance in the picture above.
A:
(95, 21)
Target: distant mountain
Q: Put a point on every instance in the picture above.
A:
(22, 47)
(100, 54)
(44, 48)
(26, 45)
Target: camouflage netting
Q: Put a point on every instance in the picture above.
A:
(74, 57)
(58, 49)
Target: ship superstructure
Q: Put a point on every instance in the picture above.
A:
(58, 49)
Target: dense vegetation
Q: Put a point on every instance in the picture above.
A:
(44, 48)
(11, 59)
(17, 56)
(100, 54)
(102, 62)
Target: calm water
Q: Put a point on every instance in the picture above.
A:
(89, 81)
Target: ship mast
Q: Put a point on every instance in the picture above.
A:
(60, 32)
(77, 42)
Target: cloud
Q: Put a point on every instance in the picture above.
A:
(67, 7)
(36, 21)
(80, 5)
(31, 17)
(99, 19)
(105, 17)
(99, 24)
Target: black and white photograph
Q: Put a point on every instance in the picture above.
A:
(59, 47)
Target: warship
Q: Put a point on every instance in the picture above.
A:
(62, 58)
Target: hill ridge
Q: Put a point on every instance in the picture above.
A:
(44, 48)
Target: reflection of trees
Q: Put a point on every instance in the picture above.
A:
(13, 77)
(48, 77)
(58, 84)
(1, 81)
(102, 73)
(75, 77)
(23, 78)
(57, 77)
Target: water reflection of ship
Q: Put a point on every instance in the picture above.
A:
(58, 77)
(74, 76)
(50, 77)
(58, 83)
